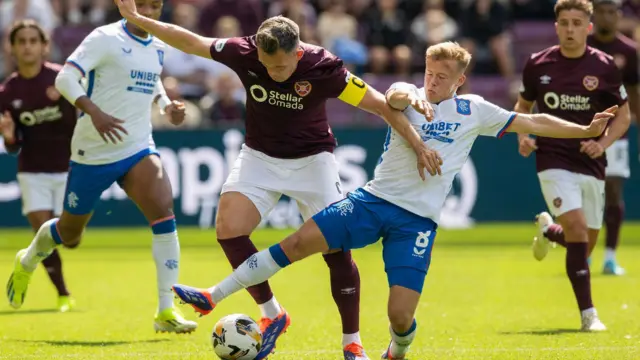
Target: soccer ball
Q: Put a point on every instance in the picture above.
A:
(236, 337)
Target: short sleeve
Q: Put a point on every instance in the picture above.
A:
(528, 88)
(91, 53)
(494, 120)
(404, 87)
(229, 51)
(3, 99)
(631, 70)
(614, 91)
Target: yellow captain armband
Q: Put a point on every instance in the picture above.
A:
(354, 91)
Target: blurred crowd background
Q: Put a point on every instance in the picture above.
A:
(383, 41)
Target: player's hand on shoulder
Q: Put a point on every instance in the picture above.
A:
(422, 106)
(592, 148)
(176, 112)
(600, 121)
(127, 8)
(7, 127)
(108, 127)
(428, 159)
(526, 145)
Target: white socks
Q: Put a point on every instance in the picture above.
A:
(350, 339)
(166, 254)
(256, 269)
(400, 342)
(609, 255)
(40, 248)
(271, 309)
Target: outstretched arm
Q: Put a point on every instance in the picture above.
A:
(175, 36)
(550, 126)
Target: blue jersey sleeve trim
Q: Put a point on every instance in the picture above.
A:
(77, 66)
(506, 126)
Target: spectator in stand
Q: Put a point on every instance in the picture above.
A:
(191, 72)
(433, 26)
(483, 28)
(43, 11)
(387, 36)
(299, 11)
(334, 23)
(248, 12)
(96, 14)
(533, 10)
(337, 31)
(227, 108)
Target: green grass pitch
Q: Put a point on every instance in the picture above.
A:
(485, 298)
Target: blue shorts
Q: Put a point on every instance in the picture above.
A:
(362, 218)
(87, 182)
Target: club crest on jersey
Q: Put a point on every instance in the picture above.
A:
(463, 106)
(303, 88)
(161, 57)
(590, 82)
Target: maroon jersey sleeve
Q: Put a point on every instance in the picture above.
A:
(630, 71)
(615, 93)
(229, 51)
(528, 89)
(4, 107)
(339, 82)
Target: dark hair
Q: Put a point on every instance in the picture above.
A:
(582, 5)
(276, 33)
(27, 24)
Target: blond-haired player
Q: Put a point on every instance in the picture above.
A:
(397, 205)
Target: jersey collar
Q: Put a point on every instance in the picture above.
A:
(144, 42)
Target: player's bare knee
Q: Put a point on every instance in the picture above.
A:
(230, 227)
(70, 235)
(575, 230)
(400, 318)
(293, 246)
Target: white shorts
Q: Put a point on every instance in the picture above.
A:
(564, 191)
(313, 181)
(618, 159)
(42, 191)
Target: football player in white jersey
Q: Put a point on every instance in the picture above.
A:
(397, 205)
(112, 142)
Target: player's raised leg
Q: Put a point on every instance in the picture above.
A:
(247, 196)
(84, 186)
(238, 215)
(344, 225)
(257, 269)
(53, 263)
(317, 186)
(148, 186)
(613, 217)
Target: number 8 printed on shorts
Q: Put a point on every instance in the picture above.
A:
(422, 242)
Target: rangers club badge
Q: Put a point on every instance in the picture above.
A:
(303, 88)
(53, 94)
(557, 202)
(590, 82)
